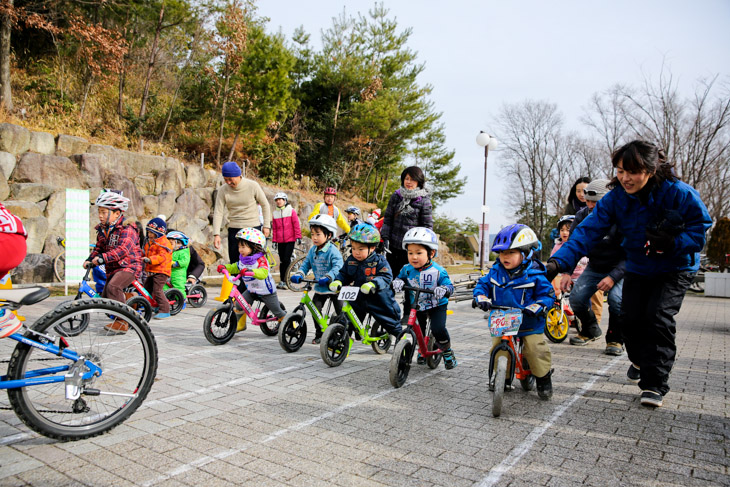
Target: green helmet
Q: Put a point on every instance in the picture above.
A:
(365, 234)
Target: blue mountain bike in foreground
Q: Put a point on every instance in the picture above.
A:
(72, 382)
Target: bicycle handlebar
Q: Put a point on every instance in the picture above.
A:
(418, 289)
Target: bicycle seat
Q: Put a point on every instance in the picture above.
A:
(26, 296)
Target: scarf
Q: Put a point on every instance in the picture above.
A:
(249, 260)
(408, 195)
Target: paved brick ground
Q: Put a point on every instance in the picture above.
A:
(247, 413)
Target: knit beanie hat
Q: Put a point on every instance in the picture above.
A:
(596, 189)
(157, 226)
(231, 170)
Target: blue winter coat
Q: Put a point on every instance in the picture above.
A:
(324, 262)
(525, 287)
(673, 206)
(427, 277)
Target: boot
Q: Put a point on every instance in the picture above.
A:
(241, 322)
(118, 327)
(545, 386)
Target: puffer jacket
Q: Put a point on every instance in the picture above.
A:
(119, 247)
(331, 210)
(396, 224)
(159, 251)
(324, 262)
(285, 225)
(673, 206)
(528, 285)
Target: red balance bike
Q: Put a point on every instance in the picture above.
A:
(400, 363)
(144, 303)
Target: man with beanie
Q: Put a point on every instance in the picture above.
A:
(158, 260)
(605, 272)
(241, 197)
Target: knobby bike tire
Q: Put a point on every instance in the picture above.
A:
(499, 380)
(269, 328)
(199, 301)
(400, 362)
(141, 306)
(295, 265)
(74, 325)
(334, 345)
(292, 332)
(220, 324)
(177, 298)
(128, 362)
(381, 346)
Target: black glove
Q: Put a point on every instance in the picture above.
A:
(658, 243)
(552, 269)
(484, 303)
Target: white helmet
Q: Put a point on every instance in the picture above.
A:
(422, 236)
(252, 235)
(325, 221)
(281, 196)
(113, 200)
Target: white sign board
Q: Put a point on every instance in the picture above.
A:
(77, 233)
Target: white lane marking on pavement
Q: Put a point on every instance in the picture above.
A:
(516, 454)
(301, 425)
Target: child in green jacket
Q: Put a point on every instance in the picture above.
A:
(180, 259)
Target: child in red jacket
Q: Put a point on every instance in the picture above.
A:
(158, 256)
(13, 249)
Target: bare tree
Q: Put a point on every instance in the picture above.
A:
(531, 135)
(6, 98)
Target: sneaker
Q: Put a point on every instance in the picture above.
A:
(581, 340)
(633, 374)
(651, 399)
(449, 359)
(316, 340)
(420, 360)
(162, 316)
(281, 285)
(118, 327)
(613, 348)
(9, 323)
(545, 386)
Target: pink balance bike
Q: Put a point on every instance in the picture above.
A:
(412, 337)
(221, 323)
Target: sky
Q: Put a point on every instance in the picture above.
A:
(480, 55)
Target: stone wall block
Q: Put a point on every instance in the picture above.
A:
(166, 203)
(196, 176)
(4, 189)
(34, 268)
(136, 204)
(37, 228)
(92, 168)
(14, 138)
(67, 145)
(51, 170)
(23, 209)
(42, 143)
(7, 164)
(145, 184)
(33, 192)
(169, 180)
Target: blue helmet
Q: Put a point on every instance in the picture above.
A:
(176, 235)
(516, 236)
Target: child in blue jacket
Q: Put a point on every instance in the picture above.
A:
(369, 270)
(422, 245)
(325, 260)
(519, 281)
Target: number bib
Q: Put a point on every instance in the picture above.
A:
(505, 322)
(348, 293)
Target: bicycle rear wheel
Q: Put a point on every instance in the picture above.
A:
(269, 328)
(128, 361)
(59, 266)
(177, 300)
(295, 265)
(198, 296)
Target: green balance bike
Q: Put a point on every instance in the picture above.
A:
(293, 329)
(336, 340)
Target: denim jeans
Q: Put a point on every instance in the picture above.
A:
(580, 300)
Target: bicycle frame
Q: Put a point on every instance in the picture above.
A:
(513, 346)
(306, 303)
(85, 288)
(415, 328)
(362, 330)
(249, 310)
(50, 375)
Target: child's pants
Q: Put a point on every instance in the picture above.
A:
(155, 285)
(320, 300)
(384, 311)
(438, 324)
(535, 350)
(114, 288)
(270, 300)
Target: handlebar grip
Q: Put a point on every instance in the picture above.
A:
(421, 289)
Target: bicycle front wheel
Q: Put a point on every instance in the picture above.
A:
(116, 340)
(499, 380)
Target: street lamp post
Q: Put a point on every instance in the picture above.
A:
(488, 142)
